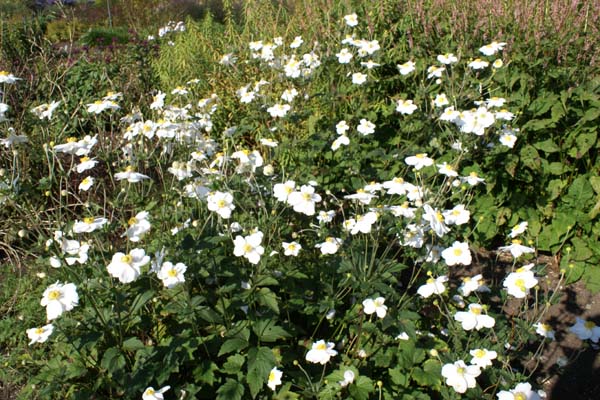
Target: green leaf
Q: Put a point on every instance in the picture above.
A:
(267, 331)
(583, 143)
(429, 375)
(260, 362)
(547, 146)
(232, 345)
(234, 364)
(398, 378)
(140, 300)
(133, 344)
(361, 388)
(231, 390)
(267, 298)
(112, 360)
(595, 182)
(580, 192)
(205, 372)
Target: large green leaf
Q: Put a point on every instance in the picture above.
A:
(260, 362)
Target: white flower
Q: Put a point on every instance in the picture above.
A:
(474, 318)
(369, 64)
(447, 58)
(158, 101)
(181, 170)
(436, 220)
(504, 114)
(58, 298)
(473, 179)
(358, 78)
(492, 48)
(341, 127)
(440, 100)
(340, 140)
(40, 335)
(269, 142)
(371, 306)
(419, 161)
(478, 63)
(344, 56)
(365, 127)
(406, 68)
(348, 378)
(516, 230)
(74, 248)
(130, 175)
(361, 196)
(483, 357)
(460, 376)
(351, 19)
(321, 352)
(296, 42)
(435, 72)
(447, 169)
(521, 392)
(85, 163)
(495, 101)
(458, 253)
(303, 201)
(249, 247)
(508, 139)
(86, 184)
(457, 216)
(171, 275)
(329, 246)
(325, 217)
(138, 226)
(544, 330)
(221, 203)
(291, 249)
(586, 330)
(274, 378)
(126, 267)
(278, 110)
(519, 282)
(472, 284)
(405, 106)
(88, 224)
(151, 394)
(516, 248)
(363, 223)
(282, 191)
(45, 111)
(100, 105)
(289, 95)
(433, 286)
(7, 77)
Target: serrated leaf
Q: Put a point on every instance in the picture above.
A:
(112, 360)
(267, 298)
(235, 344)
(205, 372)
(231, 390)
(361, 388)
(234, 364)
(260, 362)
(547, 146)
(267, 331)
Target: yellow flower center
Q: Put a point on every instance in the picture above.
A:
(71, 139)
(306, 196)
(271, 376)
(84, 159)
(39, 331)
(520, 396)
(132, 221)
(439, 216)
(54, 294)
(98, 102)
(3, 73)
(247, 248)
(520, 283)
(150, 392)
(473, 174)
(430, 280)
(589, 325)
(321, 346)
(291, 247)
(127, 259)
(329, 240)
(129, 168)
(86, 181)
(421, 155)
(172, 273)
(457, 252)
(460, 370)
(221, 203)
(476, 310)
(88, 220)
(479, 353)
(516, 241)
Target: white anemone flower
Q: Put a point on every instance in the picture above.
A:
(40, 335)
(321, 352)
(519, 282)
(419, 161)
(291, 248)
(433, 286)
(89, 224)
(483, 357)
(371, 306)
(474, 318)
(138, 226)
(522, 391)
(282, 191)
(458, 253)
(405, 106)
(586, 330)
(249, 247)
(221, 203)
(58, 298)
(151, 394)
(304, 201)
(130, 175)
(460, 375)
(516, 249)
(126, 267)
(171, 275)
(330, 246)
